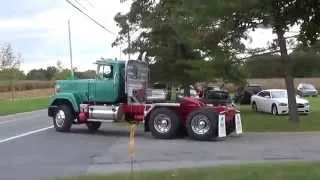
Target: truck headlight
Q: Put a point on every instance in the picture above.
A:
(283, 104)
(57, 88)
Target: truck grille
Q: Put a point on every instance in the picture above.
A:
(300, 105)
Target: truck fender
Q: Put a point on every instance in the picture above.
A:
(63, 98)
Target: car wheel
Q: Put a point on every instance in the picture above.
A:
(202, 124)
(164, 123)
(93, 126)
(254, 107)
(274, 110)
(63, 118)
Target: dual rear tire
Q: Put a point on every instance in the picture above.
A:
(202, 124)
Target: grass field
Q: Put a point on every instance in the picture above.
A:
(275, 171)
(253, 121)
(25, 105)
(35, 93)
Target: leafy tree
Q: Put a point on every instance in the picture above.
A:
(173, 42)
(37, 74)
(279, 15)
(89, 74)
(9, 64)
(51, 72)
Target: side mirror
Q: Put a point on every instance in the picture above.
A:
(268, 97)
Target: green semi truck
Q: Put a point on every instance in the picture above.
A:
(118, 93)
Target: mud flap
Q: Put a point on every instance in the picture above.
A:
(238, 124)
(222, 126)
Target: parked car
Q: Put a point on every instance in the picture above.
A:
(275, 101)
(305, 89)
(243, 94)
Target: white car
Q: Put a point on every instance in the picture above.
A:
(275, 101)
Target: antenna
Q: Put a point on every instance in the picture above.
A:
(70, 49)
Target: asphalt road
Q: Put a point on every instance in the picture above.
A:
(31, 149)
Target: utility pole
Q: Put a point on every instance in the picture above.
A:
(129, 44)
(70, 49)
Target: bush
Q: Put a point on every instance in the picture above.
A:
(25, 85)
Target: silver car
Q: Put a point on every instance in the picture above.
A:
(305, 89)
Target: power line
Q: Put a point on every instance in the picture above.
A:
(90, 3)
(96, 22)
(77, 1)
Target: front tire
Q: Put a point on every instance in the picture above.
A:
(63, 118)
(93, 126)
(202, 124)
(164, 123)
(274, 110)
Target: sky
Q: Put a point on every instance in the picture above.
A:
(38, 30)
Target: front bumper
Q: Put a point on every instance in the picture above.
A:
(285, 109)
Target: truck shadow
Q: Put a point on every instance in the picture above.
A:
(139, 133)
(123, 132)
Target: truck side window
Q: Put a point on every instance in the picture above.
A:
(106, 71)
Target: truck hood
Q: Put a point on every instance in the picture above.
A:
(74, 86)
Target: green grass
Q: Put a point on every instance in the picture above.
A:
(253, 121)
(25, 105)
(275, 171)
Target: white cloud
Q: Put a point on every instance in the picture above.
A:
(89, 41)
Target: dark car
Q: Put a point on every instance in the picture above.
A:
(217, 97)
(243, 94)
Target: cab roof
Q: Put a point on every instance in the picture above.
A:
(104, 61)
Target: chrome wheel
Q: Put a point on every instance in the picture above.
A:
(162, 123)
(200, 124)
(60, 118)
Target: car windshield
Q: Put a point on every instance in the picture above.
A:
(279, 94)
(308, 87)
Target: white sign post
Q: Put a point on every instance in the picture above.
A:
(238, 124)
(222, 126)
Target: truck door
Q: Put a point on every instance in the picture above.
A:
(106, 86)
